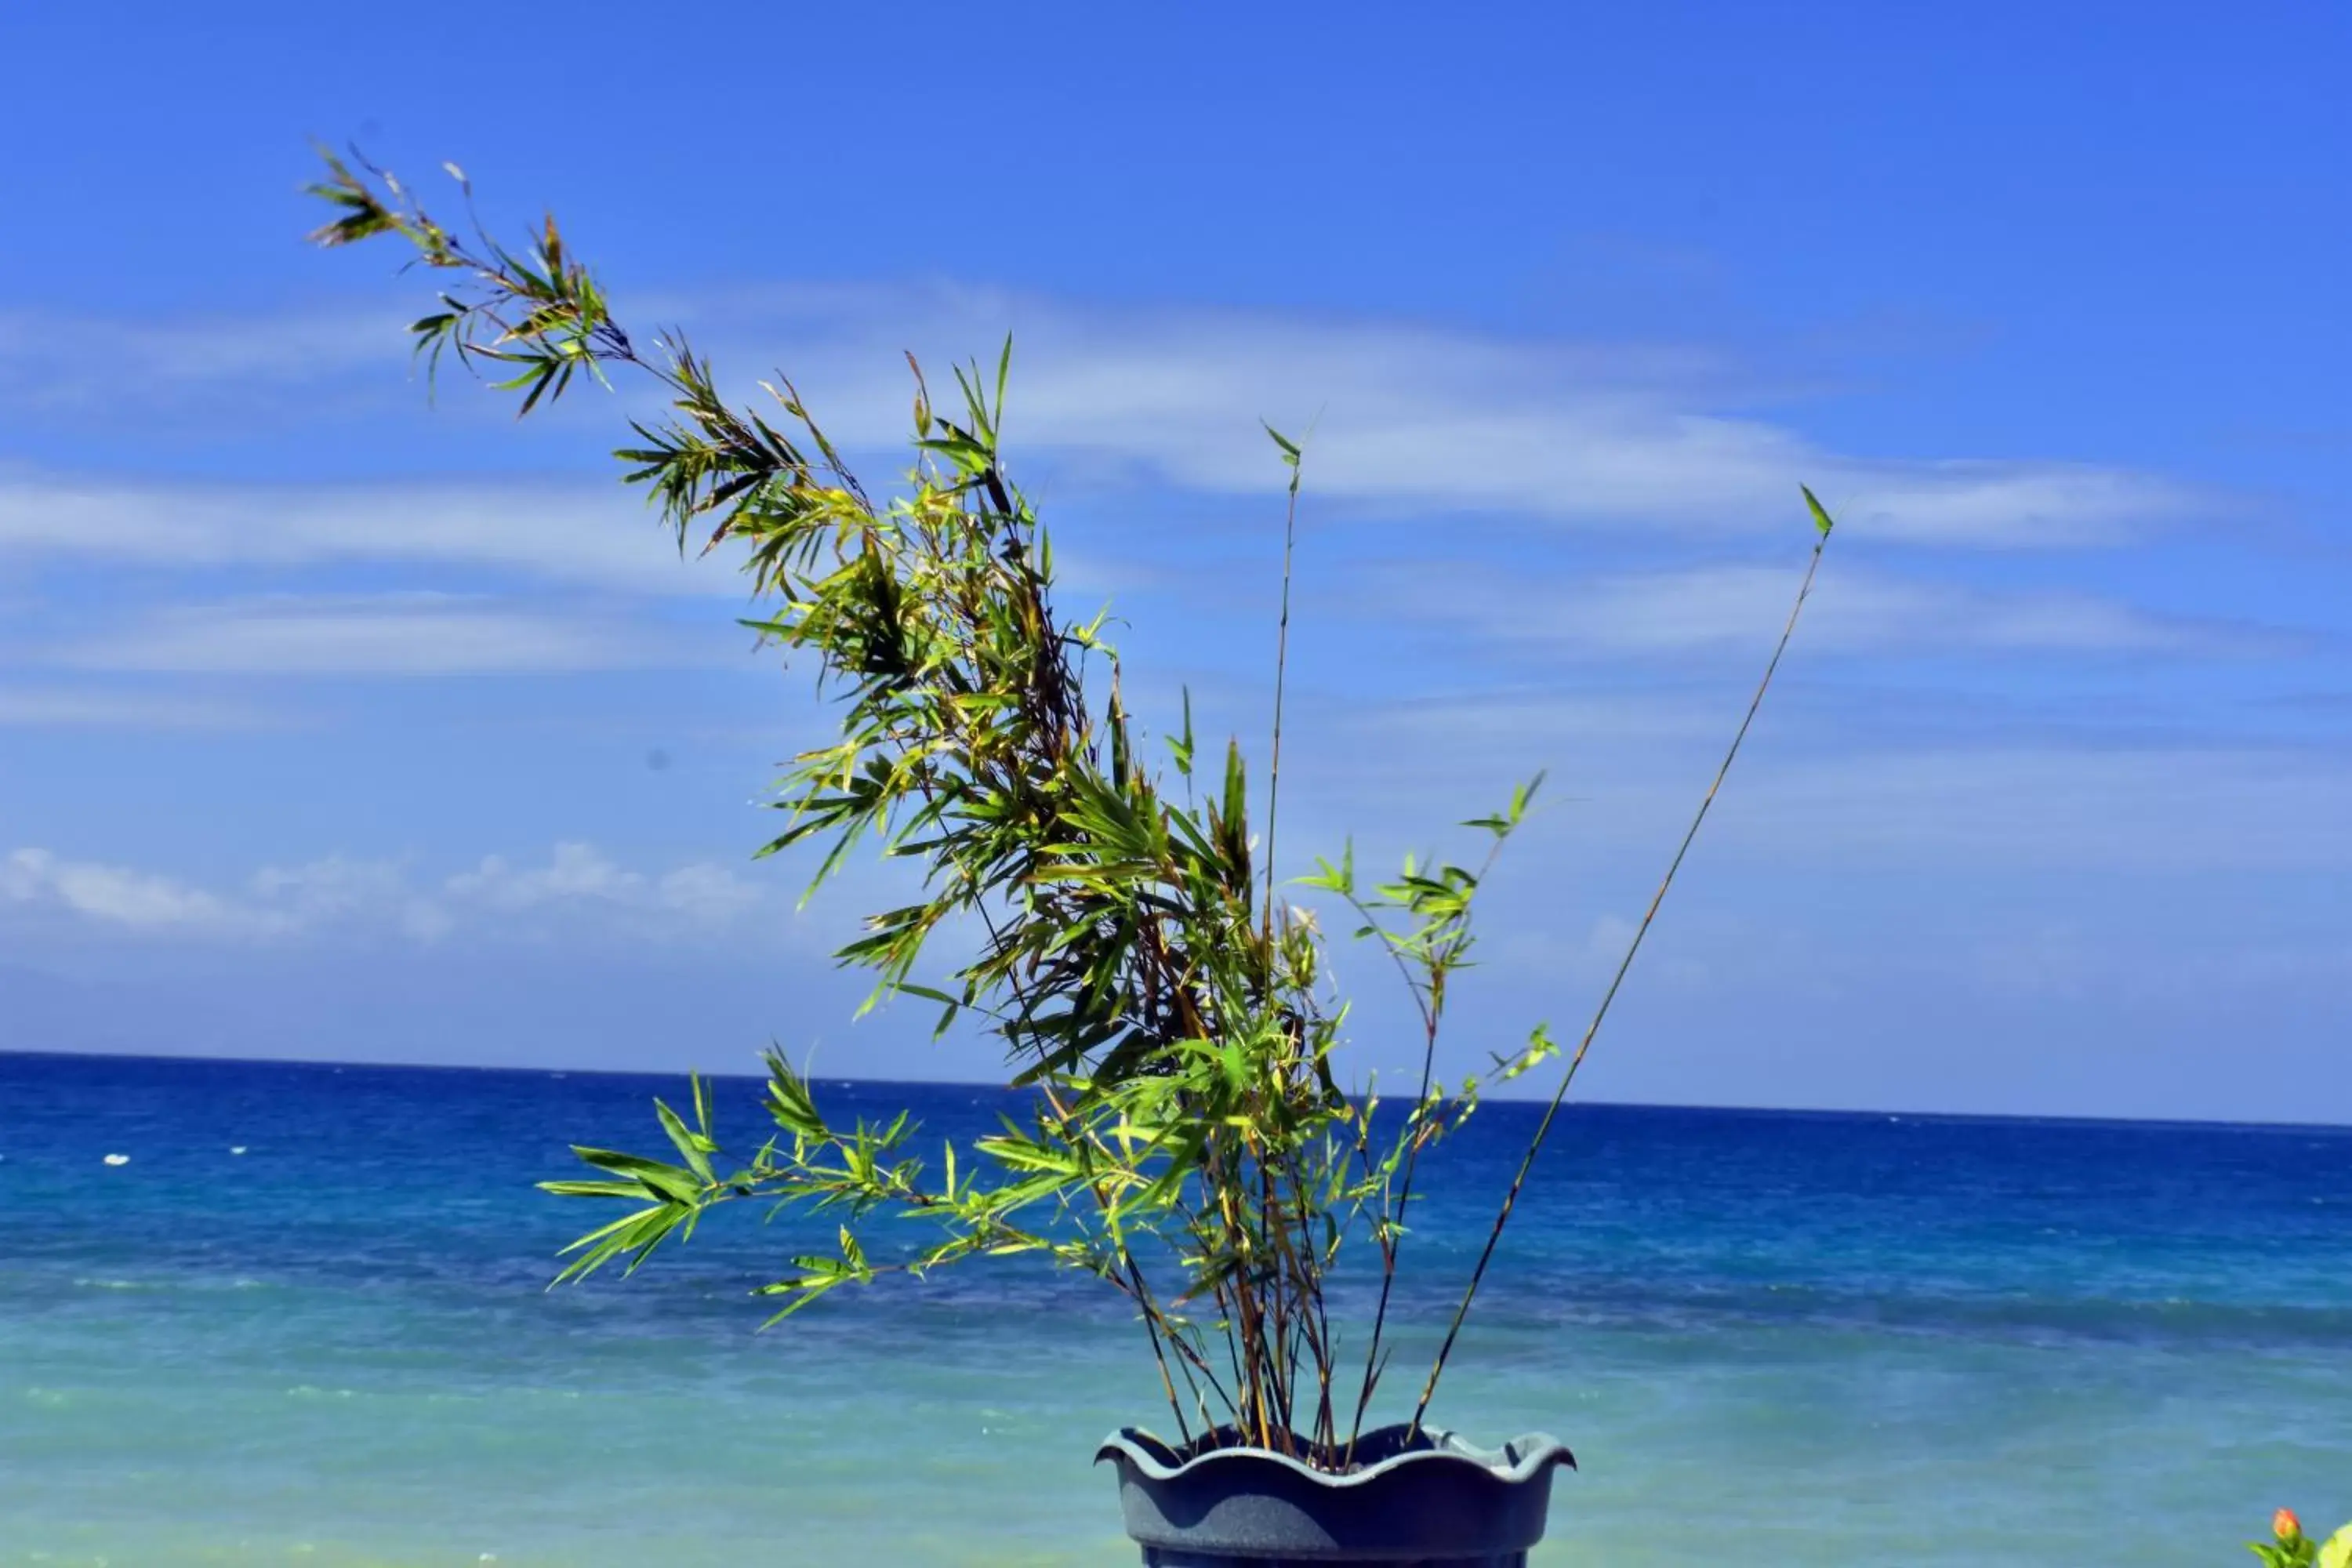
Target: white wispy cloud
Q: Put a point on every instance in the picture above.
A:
(82, 708)
(585, 533)
(576, 884)
(396, 634)
(1852, 609)
(56, 361)
(340, 891)
(578, 874)
(2144, 808)
(129, 899)
(1404, 416)
(1625, 771)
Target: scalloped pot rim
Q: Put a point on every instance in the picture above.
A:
(1518, 1460)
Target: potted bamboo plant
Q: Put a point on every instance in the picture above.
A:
(1188, 1139)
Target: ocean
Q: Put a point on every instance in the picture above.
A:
(306, 1321)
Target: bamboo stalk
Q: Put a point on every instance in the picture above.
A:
(1567, 1076)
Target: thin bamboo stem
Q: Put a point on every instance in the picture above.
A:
(1567, 1077)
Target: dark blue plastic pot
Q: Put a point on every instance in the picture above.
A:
(1436, 1502)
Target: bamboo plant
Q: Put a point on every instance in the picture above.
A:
(1116, 926)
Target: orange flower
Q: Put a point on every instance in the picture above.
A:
(2285, 1526)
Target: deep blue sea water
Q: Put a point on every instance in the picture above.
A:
(1771, 1338)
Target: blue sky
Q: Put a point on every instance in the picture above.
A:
(341, 724)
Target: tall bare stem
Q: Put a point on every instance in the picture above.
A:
(1567, 1076)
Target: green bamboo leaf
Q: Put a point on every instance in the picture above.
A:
(1821, 516)
(584, 1189)
(658, 1180)
(693, 1147)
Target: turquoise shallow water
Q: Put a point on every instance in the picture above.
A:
(1770, 1339)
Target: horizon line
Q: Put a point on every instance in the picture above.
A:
(1891, 1114)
